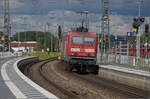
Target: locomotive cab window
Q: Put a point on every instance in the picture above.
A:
(82, 40)
(76, 40)
(89, 40)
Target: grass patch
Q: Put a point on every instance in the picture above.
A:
(44, 55)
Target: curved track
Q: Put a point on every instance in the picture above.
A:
(52, 76)
(35, 73)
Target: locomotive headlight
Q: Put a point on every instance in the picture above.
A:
(89, 50)
(92, 54)
(75, 49)
(72, 53)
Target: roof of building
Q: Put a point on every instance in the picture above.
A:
(23, 44)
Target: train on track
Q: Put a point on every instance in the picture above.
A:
(79, 51)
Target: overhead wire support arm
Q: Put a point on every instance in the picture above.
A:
(83, 21)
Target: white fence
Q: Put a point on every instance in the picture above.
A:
(9, 54)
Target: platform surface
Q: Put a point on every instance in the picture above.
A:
(5, 93)
(13, 84)
(127, 70)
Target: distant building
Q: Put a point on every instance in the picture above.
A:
(23, 46)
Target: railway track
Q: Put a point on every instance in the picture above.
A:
(64, 91)
(36, 73)
(51, 75)
(124, 89)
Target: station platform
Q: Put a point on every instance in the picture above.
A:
(126, 75)
(5, 93)
(15, 85)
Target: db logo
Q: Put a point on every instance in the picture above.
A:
(82, 50)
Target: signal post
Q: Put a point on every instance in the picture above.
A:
(137, 22)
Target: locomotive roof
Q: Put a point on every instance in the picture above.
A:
(90, 33)
(80, 33)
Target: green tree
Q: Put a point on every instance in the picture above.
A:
(43, 39)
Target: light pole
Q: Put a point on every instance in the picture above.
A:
(98, 55)
(18, 41)
(9, 40)
(116, 47)
(55, 37)
(25, 38)
(51, 37)
(2, 40)
(52, 40)
(45, 37)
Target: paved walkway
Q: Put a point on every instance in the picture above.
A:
(5, 93)
(15, 85)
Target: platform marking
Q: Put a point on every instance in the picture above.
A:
(13, 88)
(30, 82)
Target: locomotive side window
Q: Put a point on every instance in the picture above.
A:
(82, 40)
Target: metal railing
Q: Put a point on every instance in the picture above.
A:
(9, 54)
(122, 60)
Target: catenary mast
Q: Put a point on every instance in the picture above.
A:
(7, 25)
(105, 27)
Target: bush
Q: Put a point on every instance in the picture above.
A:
(43, 55)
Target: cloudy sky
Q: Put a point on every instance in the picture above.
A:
(34, 14)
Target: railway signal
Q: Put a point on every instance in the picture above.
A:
(59, 31)
(134, 30)
(2, 38)
(135, 25)
(6, 44)
(146, 29)
(137, 22)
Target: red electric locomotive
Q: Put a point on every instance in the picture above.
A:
(79, 50)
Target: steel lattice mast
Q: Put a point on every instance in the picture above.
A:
(7, 24)
(105, 25)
